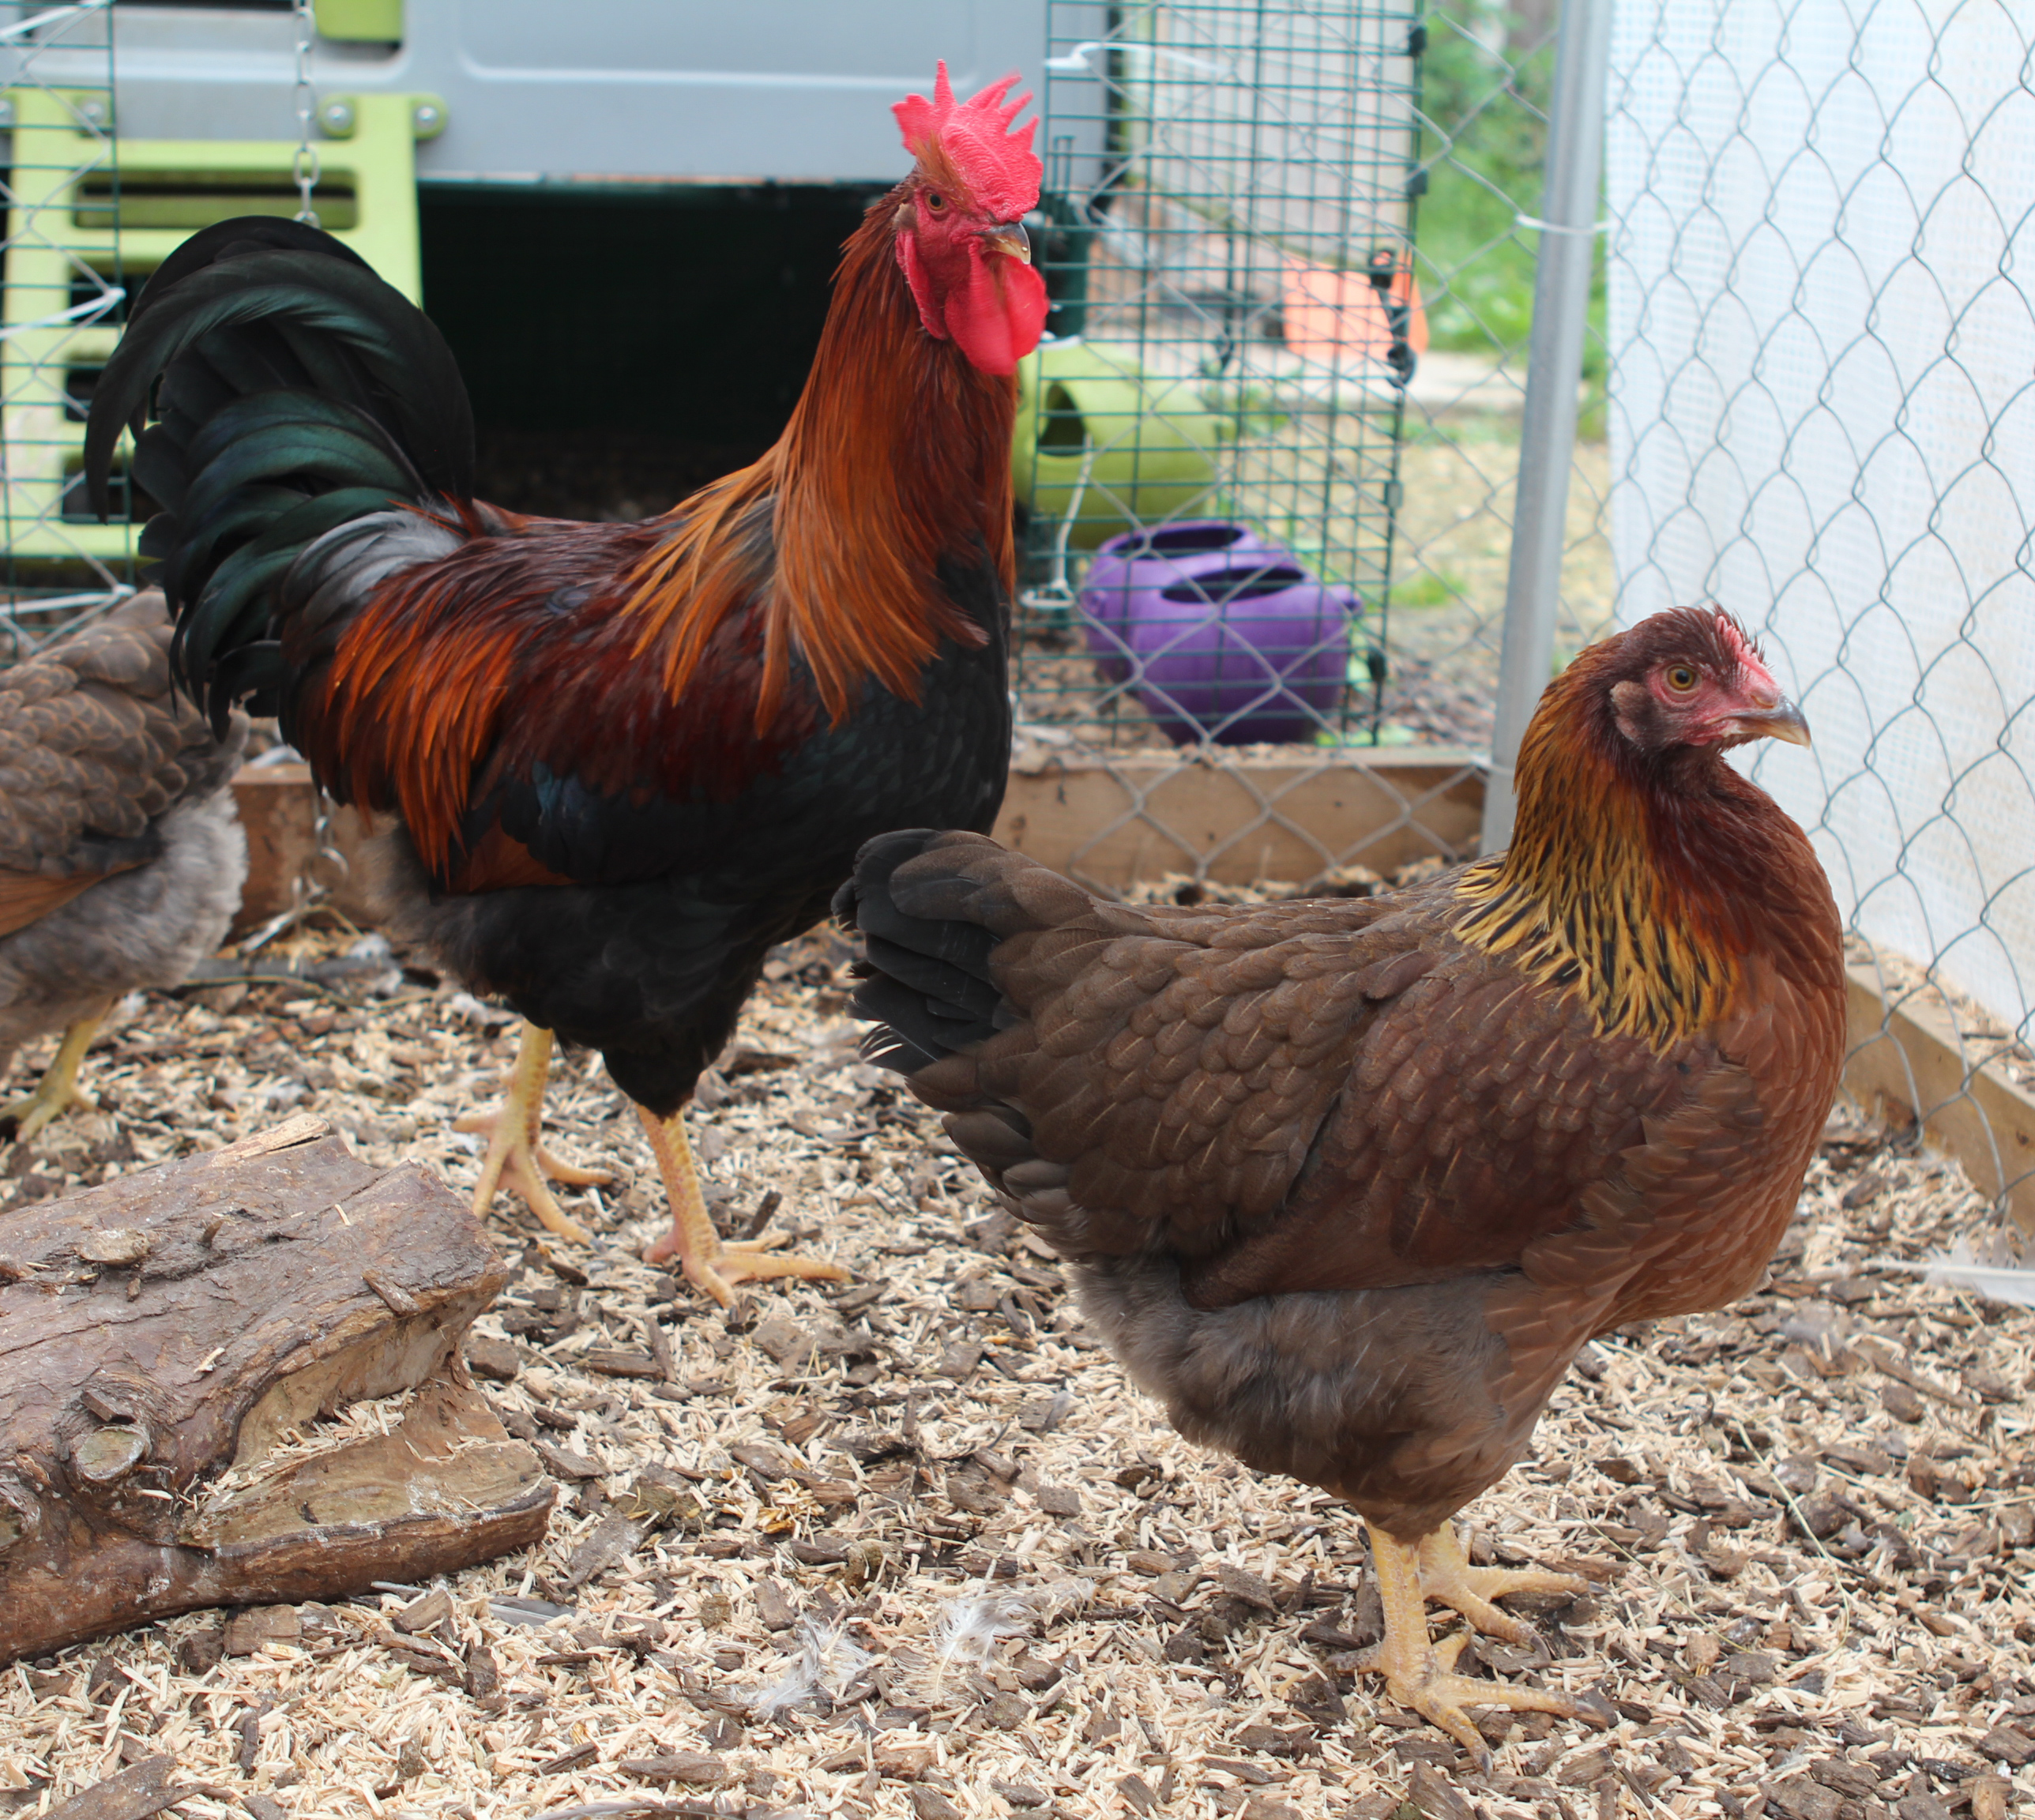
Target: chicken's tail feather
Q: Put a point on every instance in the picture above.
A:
(932, 908)
(967, 942)
(294, 393)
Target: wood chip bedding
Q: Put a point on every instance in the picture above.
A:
(913, 1547)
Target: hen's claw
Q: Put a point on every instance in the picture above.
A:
(1418, 1674)
(515, 1160)
(1447, 1578)
(58, 1091)
(710, 1262)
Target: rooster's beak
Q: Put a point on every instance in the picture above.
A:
(1009, 237)
(1781, 721)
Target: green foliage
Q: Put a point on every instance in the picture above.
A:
(1484, 93)
(1484, 150)
(1430, 587)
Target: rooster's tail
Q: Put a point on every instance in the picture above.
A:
(296, 393)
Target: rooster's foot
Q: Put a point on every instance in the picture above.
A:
(709, 1262)
(515, 1160)
(1420, 1675)
(731, 1262)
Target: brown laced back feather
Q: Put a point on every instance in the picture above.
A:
(1644, 878)
(856, 512)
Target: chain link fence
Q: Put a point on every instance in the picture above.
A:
(64, 295)
(1292, 246)
(1822, 414)
(1268, 459)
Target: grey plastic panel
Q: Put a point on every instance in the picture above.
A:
(796, 91)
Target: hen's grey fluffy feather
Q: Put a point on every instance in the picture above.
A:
(114, 786)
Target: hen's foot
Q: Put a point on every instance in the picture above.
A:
(1447, 1578)
(1420, 1674)
(58, 1091)
(515, 1160)
(710, 1262)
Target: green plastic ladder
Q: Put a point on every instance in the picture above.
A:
(62, 231)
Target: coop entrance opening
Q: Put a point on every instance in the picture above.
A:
(1065, 431)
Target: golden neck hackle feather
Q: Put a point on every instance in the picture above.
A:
(897, 451)
(1642, 889)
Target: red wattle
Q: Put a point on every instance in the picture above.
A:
(997, 317)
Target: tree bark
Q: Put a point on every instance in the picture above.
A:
(167, 1342)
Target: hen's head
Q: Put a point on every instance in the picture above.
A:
(1690, 679)
(959, 224)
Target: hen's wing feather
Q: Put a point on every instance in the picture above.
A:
(1328, 1094)
(94, 746)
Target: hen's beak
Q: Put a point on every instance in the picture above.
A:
(1781, 721)
(1009, 237)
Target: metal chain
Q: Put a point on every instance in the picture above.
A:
(306, 891)
(305, 169)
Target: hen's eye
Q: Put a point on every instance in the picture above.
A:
(936, 201)
(1681, 677)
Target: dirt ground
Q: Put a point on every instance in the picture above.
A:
(911, 1547)
(1449, 566)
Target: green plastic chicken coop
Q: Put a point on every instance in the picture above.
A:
(75, 228)
(1101, 444)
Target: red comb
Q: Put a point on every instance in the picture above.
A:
(1743, 648)
(997, 164)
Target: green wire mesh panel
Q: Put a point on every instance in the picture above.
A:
(1207, 447)
(56, 313)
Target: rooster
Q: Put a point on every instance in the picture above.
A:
(1348, 1185)
(121, 854)
(621, 761)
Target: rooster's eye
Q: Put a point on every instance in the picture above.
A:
(936, 201)
(1681, 677)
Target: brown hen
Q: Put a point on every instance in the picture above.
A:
(121, 855)
(1348, 1184)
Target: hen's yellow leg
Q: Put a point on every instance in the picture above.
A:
(1447, 1578)
(1421, 1676)
(709, 1263)
(58, 1091)
(515, 1160)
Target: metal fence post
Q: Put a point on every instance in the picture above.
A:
(1547, 430)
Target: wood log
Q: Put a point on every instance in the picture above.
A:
(169, 1342)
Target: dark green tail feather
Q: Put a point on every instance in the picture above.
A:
(296, 391)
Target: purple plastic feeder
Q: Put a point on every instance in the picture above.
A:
(1128, 569)
(1232, 641)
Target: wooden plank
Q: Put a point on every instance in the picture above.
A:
(1285, 820)
(1907, 1061)
(278, 810)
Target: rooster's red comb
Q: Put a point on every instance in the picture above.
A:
(998, 165)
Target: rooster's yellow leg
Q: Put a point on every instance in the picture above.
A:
(1419, 1674)
(710, 1263)
(515, 1160)
(58, 1091)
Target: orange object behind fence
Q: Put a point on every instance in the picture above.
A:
(1332, 316)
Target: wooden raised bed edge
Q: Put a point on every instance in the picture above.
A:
(1083, 817)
